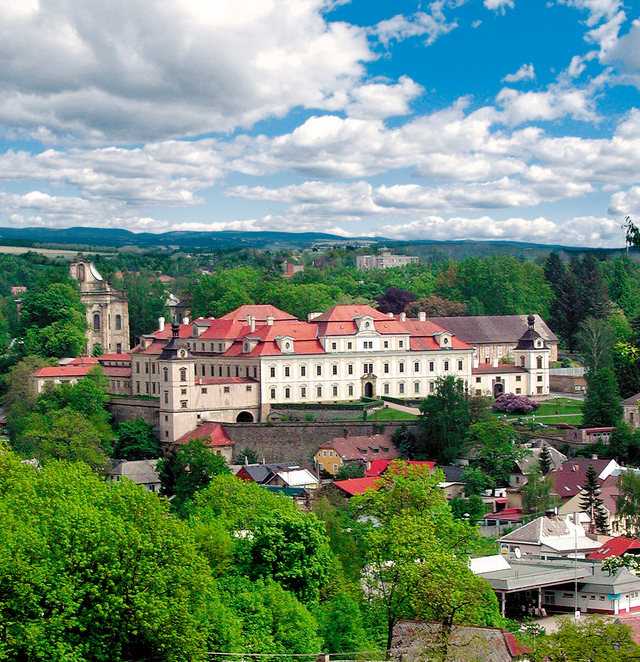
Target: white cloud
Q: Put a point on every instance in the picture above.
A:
(498, 5)
(379, 101)
(625, 202)
(146, 71)
(554, 103)
(433, 24)
(579, 231)
(597, 9)
(626, 53)
(524, 73)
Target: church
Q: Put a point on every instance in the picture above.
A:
(106, 309)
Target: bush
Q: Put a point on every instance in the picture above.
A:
(509, 403)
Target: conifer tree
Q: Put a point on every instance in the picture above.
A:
(545, 461)
(591, 503)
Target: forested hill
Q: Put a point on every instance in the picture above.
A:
(211, 241)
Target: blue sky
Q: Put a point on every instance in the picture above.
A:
(453, 119)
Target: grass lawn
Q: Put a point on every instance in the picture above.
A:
(390, 415)
(558, 410)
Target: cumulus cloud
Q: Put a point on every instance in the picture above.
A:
(498, 5)
(146, 71)
(378, 101)
(524, 73)
(625, 52)
(597, 9)
(551, 104)
(433, 24)
(625, 202)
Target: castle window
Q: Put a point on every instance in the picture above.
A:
(385, 388)
(303, 391)
(183, 404)
(334, 345)
(350, 369)
(319, 391)
(416, 366)
(446, 366)
(334, 369)
(459, 365)
(349, 345)
(96, 322)
(416, 387)
(81, 273)
(146, 368)
(401, 388)
(137, 367)
(401, 367)
(386, 344)
(204, 370)
(147, 388)
(287, 392)
(166, 374)
(287, 371)
(400, 344)
(539, 362)
(273, 394)
(522, 361)
(303, 371)
(335, 391)
(272, 371)
(219, 346)
(228, 371)
(432, 387)
(319, 370)
(386, 368)
(350, 389)
(518, 378)
(166, 399)
(213, 370)
(118, 322)
(237, 371)
(183, 374)
(226, 389)
(432, 366)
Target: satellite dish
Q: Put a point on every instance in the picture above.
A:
(517, 552)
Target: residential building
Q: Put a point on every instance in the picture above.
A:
(216, 437)
(616, 547)
(331, 457)
(496, 336)
(630, 411)
(571, 477)
(550, 537)
(353, 486)
(531, 461)
(140, 472)
(291, 268)
(384, 261)
(587, 435)
(292, 478)
(261, 473)
(106, 309)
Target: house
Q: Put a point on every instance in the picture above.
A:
(107, 310)
(353, 486)
(453, 485)
(532, 586)
(550, 536)
(292, 478)
(615, 547)
(529, 462)
(416, 641)
(216, 438)
(260, 473)
(587, 435)
(630, 411)
(291, 268)
(495, 337)
(384, 261)
(331, 457)
(571, 477)
(568, 380)
(141, 472)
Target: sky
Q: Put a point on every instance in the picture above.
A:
(445, 120)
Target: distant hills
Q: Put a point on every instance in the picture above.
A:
(230, 240)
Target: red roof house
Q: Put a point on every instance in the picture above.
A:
(616, 547)
(216, 436)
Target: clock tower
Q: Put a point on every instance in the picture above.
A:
(177, 388)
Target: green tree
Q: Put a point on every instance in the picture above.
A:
(626, 365)
(594, 640)
(351, 470)
(591, 503)
(476, 481)
(536, 493)
(52, 321)
(471, 510)
(93, 572)
(342, 625)
(545, 461)
(189, 468)
(629, 501)
(495, 449)
(445, 418)
(596, 340)
(602, 403)
(292, 549)
(147, 302)
(136, 440)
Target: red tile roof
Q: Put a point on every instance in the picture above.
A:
(374, 447)
(84, 360)
(377, 467)
(117, 371)
(259, 311)
(490, 369)
(114, 357)
(214, 432)
(614, 547)
(63, 371)
(357, 485)
(348, 313)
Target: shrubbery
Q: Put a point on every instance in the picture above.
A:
(509, 403)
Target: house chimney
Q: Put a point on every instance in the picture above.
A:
(345, 432)
(312, 316)
(574, 467)
(252, 322)
(495, 361)
(403, 317)
(185, 320)
(476, 362)
(160, 323)
(269, 320)
(422, 316)
(594, 457)
(390, 315)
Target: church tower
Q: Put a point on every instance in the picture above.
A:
(177, 388)
(532, 354)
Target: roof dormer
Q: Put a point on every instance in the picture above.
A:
(364, 323)
(249, 344)
(285, 344)
(443, 339)
(199, 327)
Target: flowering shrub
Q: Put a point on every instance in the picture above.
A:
(509, 403)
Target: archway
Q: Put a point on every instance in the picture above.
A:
(368, 390)
(498, 389)
(244, 417)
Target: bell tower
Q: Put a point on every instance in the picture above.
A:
(532, 354)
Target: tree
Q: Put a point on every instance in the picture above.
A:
(147, 302)
(52, 321)
(291, 548)
(591, 503)
(136, 440)
(626, 365)
(470, 510)
(545, 461)
(395, 300)
(94, 572)
(342, 625)
(591, 640)
(596, 340)
(189, 468)
(435, 306)
(476, 481)
(632, 234)
(536, 493)
(629, 501)
(602, 403)
(406, 441)
(444, 420)
(351, 470)
(495, 449)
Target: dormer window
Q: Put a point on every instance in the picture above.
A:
(285, 343)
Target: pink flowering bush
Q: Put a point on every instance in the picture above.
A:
(509, 403)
